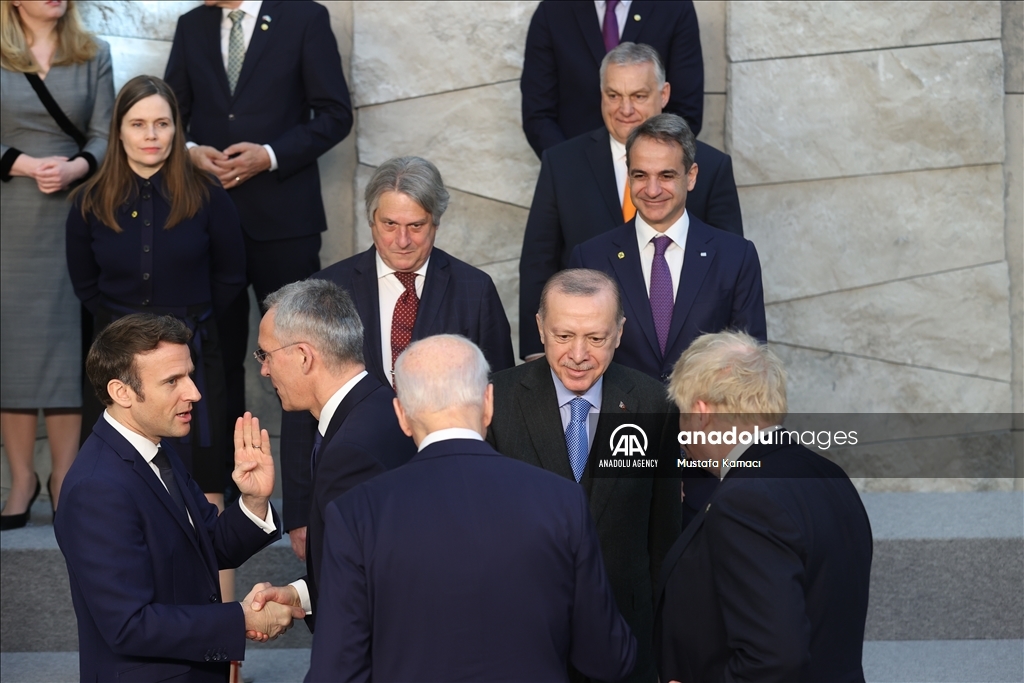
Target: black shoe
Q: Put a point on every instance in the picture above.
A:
(49, 492)
(8, 522)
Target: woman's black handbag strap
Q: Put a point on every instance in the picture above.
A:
(54, 110)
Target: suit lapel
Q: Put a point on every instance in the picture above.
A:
(676, 551)
(356, 394)
(631, 279)
(539, 405)
(697, 260)
(599, 154)
(631, 30)
(257, 44)
(435, 287)
(211, 46)
(586, 17)
(615, 393)
(364, 291)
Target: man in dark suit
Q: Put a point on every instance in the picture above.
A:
(582, 190)
(141, 542)
(559, 413)
(311, 348)
(405, 289)
(462, 565)
(263, 96)
(566, 43)
(770, 581)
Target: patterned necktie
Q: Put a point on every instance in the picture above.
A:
(661, 291)
(576, 436)
(317, 440)
(405, 316)
(611, 26)
(163, 463)
(236, 48)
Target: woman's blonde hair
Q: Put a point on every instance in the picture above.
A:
(74, 44)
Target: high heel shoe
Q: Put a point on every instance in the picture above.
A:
(8, 522)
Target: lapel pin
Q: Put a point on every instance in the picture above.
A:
(622, 406)
(264, 27)
(636, 17)
(135, 214)
(266, 18)
(703, 253)
(708, 508)
(622, 254)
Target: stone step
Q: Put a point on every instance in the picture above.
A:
(947, 566)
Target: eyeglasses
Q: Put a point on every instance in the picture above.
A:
(262, 356)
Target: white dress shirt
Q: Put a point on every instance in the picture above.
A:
(448, 434)
(673, 255)
(564, 397)
(619, 163)
(389, 289)
(621, 13)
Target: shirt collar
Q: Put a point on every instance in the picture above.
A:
(618, 148)
(564, 396)
(250, 7)
(448, 434)
(741, 448)
(383, 269)
(676, 232)
(146, 448)
(331, 407)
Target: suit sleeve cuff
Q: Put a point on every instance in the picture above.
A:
(266, 524)
(303, 591)
(89, 159)
(7, 163)
(273, 157)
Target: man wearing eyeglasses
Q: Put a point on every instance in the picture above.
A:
(311, 349)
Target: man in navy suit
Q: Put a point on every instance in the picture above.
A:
(679, 276)
(582, 190)
(263, 96)
(311, 348)
(405, 289)
(564, 47)
(770, 581)
(463, 564)
(142, 544)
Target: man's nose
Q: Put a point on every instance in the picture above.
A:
(403, 238)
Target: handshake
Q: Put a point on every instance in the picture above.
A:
(270, 610)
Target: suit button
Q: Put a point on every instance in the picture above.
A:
(145, 276)
(145, 302)
(145, 248)
(231, 117)
(145, 196)
(213, 597)
(146, 183)
(207, 658)
(146, 222)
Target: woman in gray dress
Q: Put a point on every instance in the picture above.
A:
(44, 52)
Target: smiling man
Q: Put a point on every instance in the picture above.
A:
(555, 414)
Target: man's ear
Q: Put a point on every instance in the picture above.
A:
(121, 393)
(540, 328)
(665, 92)
(403, 421)
(488, 406)
(308, 355)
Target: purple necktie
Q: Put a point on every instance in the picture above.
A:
(661, 291)
(611, 26)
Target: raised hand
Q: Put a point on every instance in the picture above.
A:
(254, 464)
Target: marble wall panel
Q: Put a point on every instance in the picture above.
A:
(133, 57)
(474, 137)
(506, 278)
(852, 232)
(864, 113)
(433, 47)
(1013, 44)
(955, 321)
(155, 20)
(711, 17)
(763, 30)
(826, 382)
(1013, 171)
(712, 131)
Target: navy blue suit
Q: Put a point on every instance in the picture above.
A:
(362, 441)
(465, 565)
(561, 85)
(144, 582)
(577, 199)
(770, 581)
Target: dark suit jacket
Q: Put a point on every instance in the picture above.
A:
(143, 582)
(719, 289)
(561, 85)
(464, 565)
(362, 441)
(775, 570)
(577, 199)
(637, 518)
(457, 299)
(291, 69)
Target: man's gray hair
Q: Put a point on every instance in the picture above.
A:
(627, 54)
(321, 314)
(456, 378)
(668, 128)
(412, 176)
(581, 282)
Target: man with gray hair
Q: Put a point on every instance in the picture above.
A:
(582, 193)
(311, 349)
(463, 565)
(770, 581)
(405, 289)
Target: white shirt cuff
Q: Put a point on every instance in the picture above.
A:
(303, 591)
(273, 157)
(190, 144)
(266, 524)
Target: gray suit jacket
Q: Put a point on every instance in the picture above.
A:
(637, 518)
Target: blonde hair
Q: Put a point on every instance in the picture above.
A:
(733, 372)
(74, 44)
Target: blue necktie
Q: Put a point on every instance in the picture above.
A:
(576, 436)
(317, 440)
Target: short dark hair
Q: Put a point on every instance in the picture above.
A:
(113, 352)
(666, 128)
(581, 282)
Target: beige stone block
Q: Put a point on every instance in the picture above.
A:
(420, 48)
(506, 278)
(827, 382)
(955, 321)
(827, 235)
(711, 18)
(474, 137)
(133, 57)
(763, 30)
(939, 106)
(712, 130)
(1013, 171)
(1013, 44)
(341, 13)
(137, 19)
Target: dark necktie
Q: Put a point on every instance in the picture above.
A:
(611, 26)
(661, 291)
(404, 317)
(163, 463)
(317, 440)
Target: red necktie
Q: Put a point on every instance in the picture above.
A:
(405, 316)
